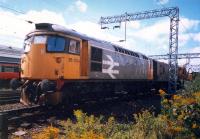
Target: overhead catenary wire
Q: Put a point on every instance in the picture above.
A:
(11, 9)
(15, 11)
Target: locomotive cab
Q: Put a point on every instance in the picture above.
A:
(50, 57)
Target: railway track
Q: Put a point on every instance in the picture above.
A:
(9, 96)
(34, 116)
(26, 117)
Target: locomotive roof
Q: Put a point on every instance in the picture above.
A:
(71, 32)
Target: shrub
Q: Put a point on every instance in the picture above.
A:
(183, 114)
(48, 133)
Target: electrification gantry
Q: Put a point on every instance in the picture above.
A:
(179, 56)
(187, 56)
(173, 14)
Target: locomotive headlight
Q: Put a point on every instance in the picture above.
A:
(58, 60)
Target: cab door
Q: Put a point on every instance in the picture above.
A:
(84, 59)
(72, 64)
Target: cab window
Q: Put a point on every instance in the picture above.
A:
(27, 44)
(40, 39)
(55, 44)
(74, 47)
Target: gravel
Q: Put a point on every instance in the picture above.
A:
(11, 106)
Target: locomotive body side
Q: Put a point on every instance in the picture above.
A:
(113, 64)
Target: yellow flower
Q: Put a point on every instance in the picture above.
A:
(165, 100)
(178, 129)
(194, 125)
(78, 114)
(111, 120)
(164, 117)
(49, 132)
(91, 135)
(197, 94)
(176, 97)
(174, 111)
(162, 93)
(91, 120)
(188, 101)
(73, 135)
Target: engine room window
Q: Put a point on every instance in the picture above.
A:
(96, 59)
(55, 44)
(96, 54)
(74, 47)
(40, 39)
(27, 44)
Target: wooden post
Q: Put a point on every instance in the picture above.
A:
(3, 126)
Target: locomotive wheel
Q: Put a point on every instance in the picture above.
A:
(48, 86)
(15, 83)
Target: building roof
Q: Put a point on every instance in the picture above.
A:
(11, 52)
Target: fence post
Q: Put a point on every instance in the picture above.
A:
(3, 126)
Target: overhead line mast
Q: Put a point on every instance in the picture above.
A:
(173, 14)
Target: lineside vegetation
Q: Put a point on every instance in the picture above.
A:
(179, 118)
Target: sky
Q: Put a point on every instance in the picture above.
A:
(150, 37)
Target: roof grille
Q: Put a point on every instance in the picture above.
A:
(43, 26)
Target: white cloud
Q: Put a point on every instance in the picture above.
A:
(162, 1)
(197, 37)
(186, 24)
(195, 49)
(82, 7)
(93, 30)
(195, 61)
(78, 5)
(184, 38)
(133, 24)
(153, 32)
(44, 16)
(13, 28)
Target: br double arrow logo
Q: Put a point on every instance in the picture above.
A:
(111, 65)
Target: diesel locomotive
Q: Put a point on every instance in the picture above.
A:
(62, 65)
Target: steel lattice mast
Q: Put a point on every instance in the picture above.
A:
(173, 14)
